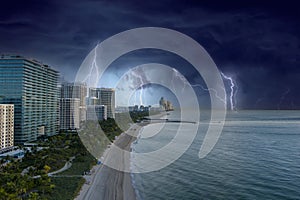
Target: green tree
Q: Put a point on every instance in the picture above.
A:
(33, 196)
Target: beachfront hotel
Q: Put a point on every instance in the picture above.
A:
(6, 126)
(69, 118)
(32, 87)
(103, 96)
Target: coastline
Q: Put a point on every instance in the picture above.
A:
(107, 183)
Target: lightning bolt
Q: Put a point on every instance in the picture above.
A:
(233, 88)
(94, 66)
(140, 78)
(209, 90)
(135, 97)
(233, 91)
(176, 74)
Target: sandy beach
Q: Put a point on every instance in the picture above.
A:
(111, 184)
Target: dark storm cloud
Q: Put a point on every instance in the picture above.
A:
(256, 42)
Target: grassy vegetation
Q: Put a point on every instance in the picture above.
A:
(57, 150)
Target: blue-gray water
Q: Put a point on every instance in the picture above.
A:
(256, 157)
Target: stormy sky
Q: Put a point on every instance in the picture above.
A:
(255, 42)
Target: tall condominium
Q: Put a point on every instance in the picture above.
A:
(32, 87)
(96, 112)
(106, 96)
(6, 126)
(69, 113)
(76, 90)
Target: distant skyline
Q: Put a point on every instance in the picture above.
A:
(255, 42)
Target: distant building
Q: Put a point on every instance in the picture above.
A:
(69, 113)
(6, 126)
(32, 87)
(93, 101)
(121, 109)
(131, 108)
(104, 96)
(169, 106)
(96, 112)
(136, 108)
(165, 105)
(76, 90)
(140, 108)
(147, 108)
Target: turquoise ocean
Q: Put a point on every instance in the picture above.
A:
(256, 157)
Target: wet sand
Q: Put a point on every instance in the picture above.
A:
(110, 184)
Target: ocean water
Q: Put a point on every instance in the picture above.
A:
(256, 157)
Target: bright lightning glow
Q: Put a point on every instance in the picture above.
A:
(232, 90)
(181, 77)
(140, 78)
(210, 89)
(94, 67)
(176, 74)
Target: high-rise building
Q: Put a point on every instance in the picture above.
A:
(6, 126)
(69, 113)
(105, 96)
(96, 112)
(165, 105)
(93, 101)
(169, 106)
(32, 87)
(76, 90)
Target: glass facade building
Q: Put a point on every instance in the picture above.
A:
(32, 87)
(69, 118)
(103, 96)
(96, 112)
(75, 90)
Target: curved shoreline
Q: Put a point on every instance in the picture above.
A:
(107, 183)
(110, 184)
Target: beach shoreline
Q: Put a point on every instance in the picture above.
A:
(107, 183)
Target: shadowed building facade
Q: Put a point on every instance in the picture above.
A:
(76, 90)
(32, 87)
(96, 112)
(69, 113)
